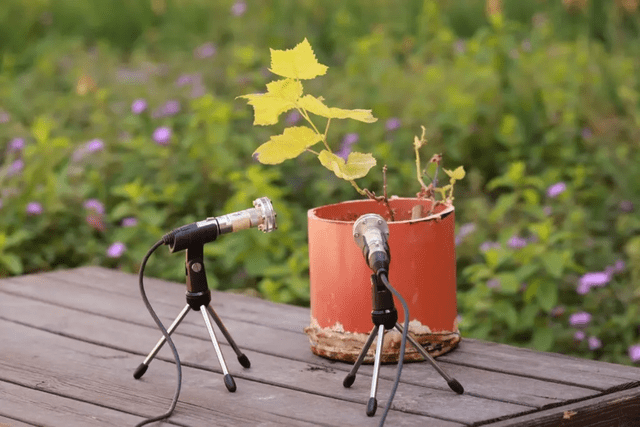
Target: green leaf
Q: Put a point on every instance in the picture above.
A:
(456, 174)
(542, 339)
(547, 295)
(509, 283)
(289, 145)
(12, 262)
(281, 97)
(554, 263)
(297, 63)
(316, 106)
(356, 166)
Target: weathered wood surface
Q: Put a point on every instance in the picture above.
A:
(70, 341)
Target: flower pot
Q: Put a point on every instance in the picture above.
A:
(422, 270)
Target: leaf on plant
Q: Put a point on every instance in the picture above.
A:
(297, 63)
(289, 145)
(356, 166)
(456, 174)
(280, 97)
(316, 106)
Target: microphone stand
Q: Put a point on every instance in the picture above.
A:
(385, 317)
(199, 296)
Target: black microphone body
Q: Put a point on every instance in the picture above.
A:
(371, 233)
(198, 233)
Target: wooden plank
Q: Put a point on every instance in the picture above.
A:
(258, 337)
(597, 376)
(442, 403)
(46, 409)
(620, 409)
(12, 422)
(81, 372)
(553, 367)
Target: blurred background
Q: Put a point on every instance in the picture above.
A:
(119, 121)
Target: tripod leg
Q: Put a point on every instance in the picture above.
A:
(142, 368)
(351, 376)
(452, 382)
(244, 360)
(372, 405)
(228, 379)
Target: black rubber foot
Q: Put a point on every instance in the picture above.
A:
(140, 370)
(244, 361)
(230, 383)
(455, 386)
(348, 380)
(372, 406)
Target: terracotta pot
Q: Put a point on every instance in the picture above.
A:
(422, 269)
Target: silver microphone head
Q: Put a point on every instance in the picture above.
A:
(261, 215)
(371, 234)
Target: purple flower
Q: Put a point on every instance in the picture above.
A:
(205, 51)
(579, 335)
(594, 279)
(580, 318)
(626, 206)
(517, 242)
(392, 124)
(238, 8)
(547, 210)
(292, 118)
(556, 189)
(15, 168)
(162, 135)
(170, 108)
(345, 148)
(594, 343)
(485, 246)
(94, 205)
(493, 283)
(619, 266)
(464, 231)
(34, 208)
(586, 133)
(116, 250)
(16, 144)
(129, 222)
(138, 106)
(634, 353)
(94, 145)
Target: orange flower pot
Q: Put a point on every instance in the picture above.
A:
(422, 269)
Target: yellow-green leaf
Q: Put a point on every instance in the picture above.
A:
(288, 89)
(316, 106)
(289, 145)
(456, 174)
(280, 97)
(356, 166)
(297, 63)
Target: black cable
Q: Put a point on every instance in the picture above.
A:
(166, 336)
(403, 345)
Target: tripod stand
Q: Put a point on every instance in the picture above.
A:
(199, 296)
(385, 317)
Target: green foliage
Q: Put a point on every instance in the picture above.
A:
(541, 106)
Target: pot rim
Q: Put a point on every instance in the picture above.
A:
(311, 213)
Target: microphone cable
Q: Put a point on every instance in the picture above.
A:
(164, 331)
(403, 344)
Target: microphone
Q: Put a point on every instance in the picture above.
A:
(371, 232)
(261, 215)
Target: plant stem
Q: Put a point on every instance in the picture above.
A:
(304, 114)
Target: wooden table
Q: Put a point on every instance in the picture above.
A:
(70, 341)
